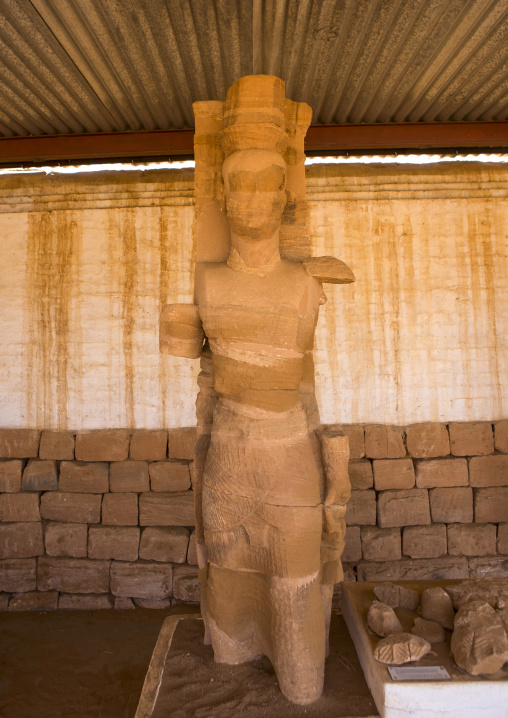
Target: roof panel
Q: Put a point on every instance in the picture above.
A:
(70, 66)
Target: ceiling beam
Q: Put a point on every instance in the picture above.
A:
(164, 144)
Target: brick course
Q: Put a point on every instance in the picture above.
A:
(98, 543)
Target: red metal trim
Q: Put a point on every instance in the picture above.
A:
(320, 138)
(407, 135)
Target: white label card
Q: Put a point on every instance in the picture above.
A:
(419, 673)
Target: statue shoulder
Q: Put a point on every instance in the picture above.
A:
(328, 270)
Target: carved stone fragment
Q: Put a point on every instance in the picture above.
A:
(479, 641)
(397, 596)
(429, 630)
(382, 619)
(400, 648)
(493, 591)
(437, 606)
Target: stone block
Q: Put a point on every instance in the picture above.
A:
(17, 575)
(384, 442)
(149, 445)
(192, 554)
(151, 604)
(164, 544)
(40, 476)
(169, 476)
(167, 509)
(85, 602)
(352, 552)
(425, 541)
(84, 477)
(427, 440)
(453, 505)
(19, 443)
(491, 505)
(34, 601)
(120, 509)
(141, 580)
(393, 474)
(361, 508)
(103, 445)
(186, 586)
(72, 575)
(182, 443)
(4, 601)
(488, 470)
(66, 539)
(471, 438)
(129, 476)
(488, 567)
(441, 472)
(57, 445)
(122, 604)
(118, 542)
(356, 436)
(21, 540)
(10, 476)
(381, 544)
(501, 436)
(403, 508)
(471, 539)
(19, 507)
(502, 538)
(414, 569)
(74, 508)
(360, 474)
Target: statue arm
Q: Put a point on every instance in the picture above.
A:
(181, 331)
(328, 270)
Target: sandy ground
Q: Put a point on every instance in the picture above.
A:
(92, 664)
(77, 663)
(193, 686)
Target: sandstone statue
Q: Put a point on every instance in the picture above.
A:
(270, 487)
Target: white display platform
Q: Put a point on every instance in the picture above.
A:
(463, 696)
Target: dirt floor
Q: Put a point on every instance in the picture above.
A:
(250, 690)
(81, 664)
(75, 664)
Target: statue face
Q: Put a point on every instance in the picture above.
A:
(254, 185)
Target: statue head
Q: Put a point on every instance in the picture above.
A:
(255, 192)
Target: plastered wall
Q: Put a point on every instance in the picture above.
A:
(86, 261)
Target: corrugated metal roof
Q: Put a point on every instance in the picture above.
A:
(69, 66)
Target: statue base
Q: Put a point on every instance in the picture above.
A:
(460, 696)
(184, 681)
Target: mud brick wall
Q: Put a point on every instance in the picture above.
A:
(428, 501)
(97, 519)
(104, 519)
